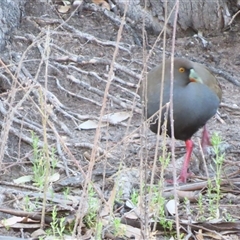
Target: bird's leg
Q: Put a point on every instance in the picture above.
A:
(184, 172)
(205, 139)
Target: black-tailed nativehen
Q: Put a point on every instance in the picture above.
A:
(196, 98)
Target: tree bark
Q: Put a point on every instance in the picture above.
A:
(201, 15)
(10, 15)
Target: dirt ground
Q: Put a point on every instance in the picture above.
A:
(80, 55)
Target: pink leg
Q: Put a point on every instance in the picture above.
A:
(184, 174)
(205, 138)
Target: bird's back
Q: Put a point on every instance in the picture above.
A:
(208, 79)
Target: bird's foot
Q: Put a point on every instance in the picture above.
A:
(184, 177)
(181, 179)
(205, 139)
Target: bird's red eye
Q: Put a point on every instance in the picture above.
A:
(181, 70)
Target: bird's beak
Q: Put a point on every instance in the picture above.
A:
(194, 77)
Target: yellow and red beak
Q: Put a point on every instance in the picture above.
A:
(194, 77)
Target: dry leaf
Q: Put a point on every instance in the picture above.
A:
(66, 2)
(102, 4)
(199, 235)
(89, 124)
(171, 206)
(115, 118)
(63, 9)
(38, 233)
(132, 231)
(10, 221)
(130, 204)
(132, 214)
(55, 177)
(213, 235)
(77, 2)
(23, 179)
(26, 226)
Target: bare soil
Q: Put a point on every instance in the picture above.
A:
(80, 54)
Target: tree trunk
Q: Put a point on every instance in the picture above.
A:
(207, 16)
(10, 15)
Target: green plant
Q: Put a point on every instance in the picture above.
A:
(38, 170)
(54, 160)
(119, 194)
(90, 219)
(134, 197)
(40, 162)
(57, 226)
(200, 208)
(219, 158)
(182, 236)
(119, 229)
(211, 197)
(26, 202)
(214, 187)
(30, 206)
(99, 228)
(5, 224)
(66, 192)
(229, 218)
(158, 203)
(164, 160)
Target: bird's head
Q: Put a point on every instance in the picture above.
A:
(184, 71)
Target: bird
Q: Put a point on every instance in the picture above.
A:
(196, 98)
